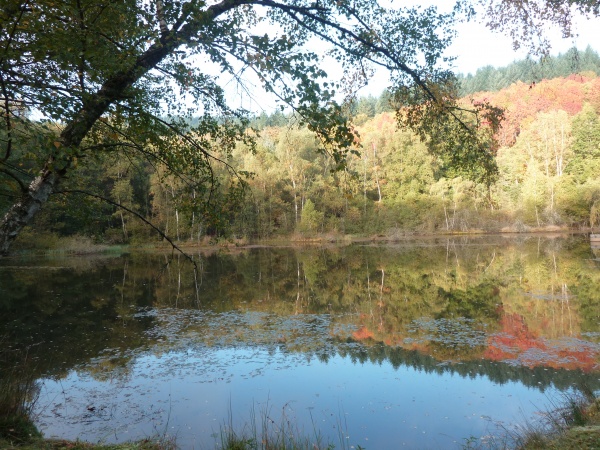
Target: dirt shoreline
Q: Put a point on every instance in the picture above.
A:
(82, 246)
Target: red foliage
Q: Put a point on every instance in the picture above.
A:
(522, 101)
(362, 333)
(517, 342)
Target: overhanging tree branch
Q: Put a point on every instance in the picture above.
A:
(14, 177)
(119, 48)
(136, 214)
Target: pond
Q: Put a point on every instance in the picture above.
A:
(423, 344)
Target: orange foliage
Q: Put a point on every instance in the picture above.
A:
(517, 342)
(362, 333)
(523, 101)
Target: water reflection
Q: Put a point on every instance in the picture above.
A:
(423, 344)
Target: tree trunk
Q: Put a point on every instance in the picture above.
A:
(123, 226)
(295, 193)
(375, 167)
(96, 104)
(25, 209)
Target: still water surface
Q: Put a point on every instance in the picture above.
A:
(422, 345)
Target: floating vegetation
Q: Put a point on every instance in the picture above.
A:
(132, 347)
(460, 332)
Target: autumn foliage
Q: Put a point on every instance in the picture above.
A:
(516, 342)
(522, 101)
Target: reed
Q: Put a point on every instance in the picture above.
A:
(264, 431)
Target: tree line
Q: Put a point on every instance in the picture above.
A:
(116, 78)
(486, 79)
(546, 173)
(530, 70)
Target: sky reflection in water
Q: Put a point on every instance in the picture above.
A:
(423, 345)
(191, 394)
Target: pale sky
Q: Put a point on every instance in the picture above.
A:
(474, 47)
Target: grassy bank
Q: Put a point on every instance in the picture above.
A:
(572, 425)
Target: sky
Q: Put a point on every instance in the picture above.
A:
(474, 47)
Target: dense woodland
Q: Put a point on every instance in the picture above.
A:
(548, 173)
(405, 304)
(530, 70)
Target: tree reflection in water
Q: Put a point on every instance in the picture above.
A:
(509, 311)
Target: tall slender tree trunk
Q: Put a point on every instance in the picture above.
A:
(366, 161)
(376, 170)
(176, 213)
(123, 226)
(59, 164)
(97, 103)
(295, 193)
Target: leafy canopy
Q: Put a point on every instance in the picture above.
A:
(116, 76)
(527, 21)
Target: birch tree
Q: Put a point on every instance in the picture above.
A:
(128, 75)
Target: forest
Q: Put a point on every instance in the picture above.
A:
(117, 125)
(545, 173)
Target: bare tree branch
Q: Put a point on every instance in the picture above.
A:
(136, 214)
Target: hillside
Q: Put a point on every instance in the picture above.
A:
(530, 71)
(548, 175)
(487, 79)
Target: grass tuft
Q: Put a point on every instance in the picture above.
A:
(572, 423)
(265, 433)
(18, 394)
